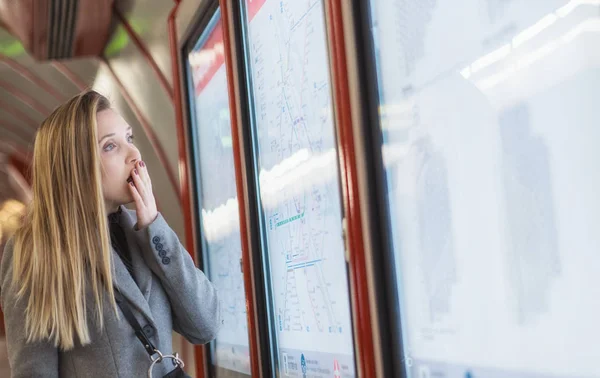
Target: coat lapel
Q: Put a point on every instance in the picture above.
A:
(141, 271)
(124, 283)
(136, 295)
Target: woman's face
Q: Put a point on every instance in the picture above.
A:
(118, 156)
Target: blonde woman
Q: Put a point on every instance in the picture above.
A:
(81, 256)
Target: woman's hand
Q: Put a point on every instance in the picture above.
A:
(141, 190)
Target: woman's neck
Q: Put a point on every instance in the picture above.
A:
(111, 208)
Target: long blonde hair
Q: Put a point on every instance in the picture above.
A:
(64, 243)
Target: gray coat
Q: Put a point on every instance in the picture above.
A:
(172, 295)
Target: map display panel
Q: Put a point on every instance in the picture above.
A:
(218, 195)
(299, 187)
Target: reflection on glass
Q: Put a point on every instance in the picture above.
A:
(218, 200)
(299, 188)
(531, 227)
(490, 123)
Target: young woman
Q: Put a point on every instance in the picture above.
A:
(79, 252)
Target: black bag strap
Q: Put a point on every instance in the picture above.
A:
(139, 332)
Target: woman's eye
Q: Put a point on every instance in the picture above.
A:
(109, 147)
(130, 138)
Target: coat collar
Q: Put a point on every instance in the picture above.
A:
(136, 295)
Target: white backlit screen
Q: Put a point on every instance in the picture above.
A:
(299, 187)
(491, 125)
(217, 194)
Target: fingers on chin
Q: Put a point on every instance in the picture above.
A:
(134, 191)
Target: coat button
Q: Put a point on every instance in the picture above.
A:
(155, 239)
(166, 260)
(148, 330)
(162, 253)
(159, 247)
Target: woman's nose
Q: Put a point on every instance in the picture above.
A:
(134, 155)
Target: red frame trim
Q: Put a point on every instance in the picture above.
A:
(239, 181)
(184, 183)
(147, 56)
(15, 129)
(29, 75)
(66, 71)
(15, 145)
(18, 114)
(354, 233)
(21, 164)
(25, 98)
(21, 153)
(154, 141)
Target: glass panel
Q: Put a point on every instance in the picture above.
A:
(299, 187)
(489, 113)
(218, 196)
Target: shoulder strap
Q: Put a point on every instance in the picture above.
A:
(139, 332)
